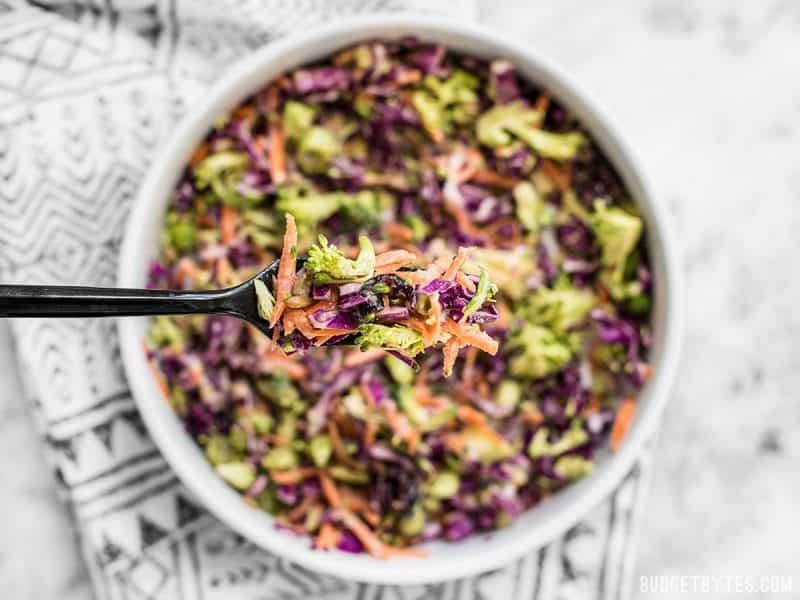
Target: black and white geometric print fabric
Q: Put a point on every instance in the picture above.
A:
(88, 91)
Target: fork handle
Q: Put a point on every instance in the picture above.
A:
(76, 301)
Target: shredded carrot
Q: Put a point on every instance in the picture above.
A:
(465, 281)
(560, 175)
(454, 442)
(471, 415)
(185, 269)
(622, 422)
(533, 416)
(227, 223)
(301, 509)
(541, 104)
(398, 232)
(370, 433)
(292, 476)
(246, 112)
(434, 322)
(157, 375)
(394, 256)
(646, 371)
(469, 364)
(277, 153)
(199, 154)
(400, 425)
(455, 266)
(472, 336)
(495, 179)
(370, 541)
(286, 270)
(275, 360)
(326, 335)
(329, 490)
(328, 537)
(450, 354)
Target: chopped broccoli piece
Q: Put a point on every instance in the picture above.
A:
(414, 523)
(317, 147)
(240, 475)
(487, 449)
(182, 234)
(279, 390)
(439, 103)
(415, 412)
(297, 118)
(165, 332)
(532, 210)
(280, 459)
(419, 226)
(617, 232)
(510, 269)
(320, 449)
(573, 466)
(559, 308)
(365, 207)
(306, 205)
(543, 353)
(574, 437)
(444, 485)
(508, 393)
(326, 264)
(484, 292)
(500, 124)
(400, 371)
(223, 172)
(218, 450)
(393, 337)
(264, 300)
(348, 475)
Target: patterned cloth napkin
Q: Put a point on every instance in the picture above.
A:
(89, 91)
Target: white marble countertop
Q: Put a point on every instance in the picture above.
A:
(709, 94)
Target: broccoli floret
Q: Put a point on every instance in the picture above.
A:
(484, 292)
(542, 352)
(180, 232)
(573, 466)
(510, 269)
(400, 371)
(279, 390)
(164, 331)
(366, 206)
(317, 147)
(560, 308)
(223, 172)
(487, 449)
(532, 210)
(574, 437)
(393, 337)
(440, 103)
(500, 124)
(305, 205)
(326, 264)
(240, 475)
(297, 118)
(617, 232)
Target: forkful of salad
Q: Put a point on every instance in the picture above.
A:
(395, 300)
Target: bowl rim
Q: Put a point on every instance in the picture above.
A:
(576, 500)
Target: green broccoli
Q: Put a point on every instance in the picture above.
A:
(240, 475)
(440, 103)
(574, 437)
(317, 147)
(278, 390)
(223, 173)
(487, 449)
(485, 292)
(559, 308)
(542, 352)
(394, 337)
(618, 233)
(365, 207)
(400, 371)
(164, 331)
(297, 118)
(573, 466)
(326, 264)
(509, 268)
(499, 125)
(306, 205)
(532, 210)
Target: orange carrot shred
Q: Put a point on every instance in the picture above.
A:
(450, 354)
(227, 223)
(455, 266)
(495, 179)
(292, 476)
(157, 375)
(286, 270)
(560, 175)
(199, 155)
(328, 537)
(329, 490)
(622, 422)
(472, 336)
(277, 153)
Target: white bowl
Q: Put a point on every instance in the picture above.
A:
(446, 560)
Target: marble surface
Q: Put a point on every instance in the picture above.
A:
(709, 94)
